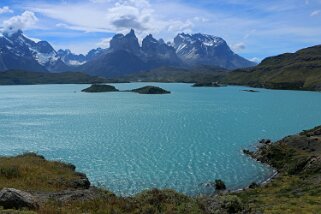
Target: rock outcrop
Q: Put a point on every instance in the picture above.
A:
(11, 198)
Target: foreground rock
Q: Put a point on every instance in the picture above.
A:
(96, 88)
(150, 90)
(11, 198)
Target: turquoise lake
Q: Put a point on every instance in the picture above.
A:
(129, 142)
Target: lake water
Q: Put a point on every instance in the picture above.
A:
(130, 142)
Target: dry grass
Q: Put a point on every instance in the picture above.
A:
(31, 172)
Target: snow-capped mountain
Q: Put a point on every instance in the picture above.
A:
(125, 56)
(20, 52)
(203, 49)
(75, 60)
(70, 58)
(94, 53)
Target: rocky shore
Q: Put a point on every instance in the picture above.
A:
(30, 182)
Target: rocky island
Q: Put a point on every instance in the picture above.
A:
(97, 88)
(250, 91)
(150, 90)
(30, 182)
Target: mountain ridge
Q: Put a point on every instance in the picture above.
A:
(300, 70)
(124, 56)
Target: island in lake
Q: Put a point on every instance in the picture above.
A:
(150, 90)
(98, 88)
(207, 84)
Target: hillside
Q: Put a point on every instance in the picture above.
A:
(300, 70)
(174, 74)
(29, 78)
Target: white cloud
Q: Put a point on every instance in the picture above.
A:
(315, 13)
(104, 43)
(26, 20)
(5, 9)
(255, 59)
(100, 1)
(238, 46)
(116, 16)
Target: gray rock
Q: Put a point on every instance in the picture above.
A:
(12, 198)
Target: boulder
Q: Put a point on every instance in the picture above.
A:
(16, 199)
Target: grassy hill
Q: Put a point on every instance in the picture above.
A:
(300, 70)
(14, 77)
(173, 74)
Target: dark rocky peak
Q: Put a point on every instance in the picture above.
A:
(151, 45)
(45, 47)
(63, 52)
(14, 35)
(19, 39)
(94, 53)
(149, 42)
(128, 42)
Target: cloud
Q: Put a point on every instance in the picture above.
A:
(238, 47)
(315, 13)
(104, 43)
(5, 9)
(116, 16)
(129, 14)
(256, 60)
(100, 1)
(26, 20)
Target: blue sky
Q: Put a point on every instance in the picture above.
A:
(253, 29)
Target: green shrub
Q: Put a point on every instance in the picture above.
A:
(232, 204)
(9, 172)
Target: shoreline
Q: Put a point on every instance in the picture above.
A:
(126, 82)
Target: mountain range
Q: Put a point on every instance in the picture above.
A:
(291, 71)
(125, 56)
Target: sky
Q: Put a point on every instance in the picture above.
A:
(254, 29)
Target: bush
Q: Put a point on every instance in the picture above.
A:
(232, 204)
(10, 172)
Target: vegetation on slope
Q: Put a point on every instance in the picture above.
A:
(31, 172)
(297, 188)
(172, 74)
(300, 71)
(30, 78)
